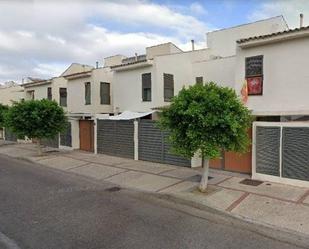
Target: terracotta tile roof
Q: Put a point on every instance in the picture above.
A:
(253, 38)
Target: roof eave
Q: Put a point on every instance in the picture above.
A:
(252, 42)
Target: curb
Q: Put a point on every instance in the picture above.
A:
(267, 230)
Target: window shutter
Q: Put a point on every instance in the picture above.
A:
(199, 80)
(63, 96)
(87, 93)
(146, 86)
(168, 86)
(105, 93)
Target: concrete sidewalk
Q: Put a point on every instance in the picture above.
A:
(271, 204)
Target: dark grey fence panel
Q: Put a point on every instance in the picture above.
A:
(295, 153)
(115, 138)
(153, 145)
(10, 136)
(53, 142)
(66, 136)
(268, 150)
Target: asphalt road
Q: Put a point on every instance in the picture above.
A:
(43, 208)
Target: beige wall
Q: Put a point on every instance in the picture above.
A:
(76, 68)
(40, 91)
(12, 93)
(76, 93)
(161, 49)
(223, 42)
(286, 76)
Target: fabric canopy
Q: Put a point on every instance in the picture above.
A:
(127, 115)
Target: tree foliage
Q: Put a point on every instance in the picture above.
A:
(36, 119)
(3, 110)
(206, 119)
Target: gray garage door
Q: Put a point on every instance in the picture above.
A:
(268, 150)
(153, 145)
(115, 138)
(295, 153)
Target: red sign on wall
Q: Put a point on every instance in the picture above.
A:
(255, 85)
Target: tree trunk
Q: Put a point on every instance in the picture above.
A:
(39, 147)
(204, 180)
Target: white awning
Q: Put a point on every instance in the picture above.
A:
(127, 115)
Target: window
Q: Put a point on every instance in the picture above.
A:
(168, 80)
(87, 93)
(254, 75)
(146, 87)
(49, 93)
(105, 93)
(63, 96)
(199, 80)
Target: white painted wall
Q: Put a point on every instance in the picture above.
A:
(220, 71)
(223, 42)
(286, 76)
(128, 83)
(76, 93)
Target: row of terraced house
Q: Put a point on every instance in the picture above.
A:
(112, 109)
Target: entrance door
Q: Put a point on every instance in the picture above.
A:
(86, 135)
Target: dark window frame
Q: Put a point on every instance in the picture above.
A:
(105, 99)
(167, 88)
(87, 91)
(260, 74)
(146, 85)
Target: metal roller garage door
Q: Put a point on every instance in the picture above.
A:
(115, 138)
(152, 145)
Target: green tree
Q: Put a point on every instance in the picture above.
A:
(206, 119)
(3, 110)
(36, 119)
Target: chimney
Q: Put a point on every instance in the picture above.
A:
(135, 56)
(96, 64)
(301, 20)
(192, 43)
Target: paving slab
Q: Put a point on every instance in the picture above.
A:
(13, 151)
(142, 181)
(275, 212)
(306, 200)
(217, 178)
(181, 173)
(148, 167)
(62, 162)
(276, 190)
(219, 198)
(97, 171)
(180, 187)
(99, 158)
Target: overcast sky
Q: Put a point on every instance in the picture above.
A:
(42, 38)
